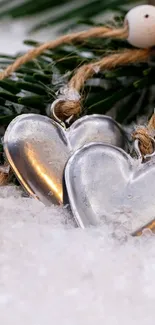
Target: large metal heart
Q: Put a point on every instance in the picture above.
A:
(105, 184)
(38, 148)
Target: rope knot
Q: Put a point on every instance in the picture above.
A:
(67, 104)
(146, 144)
(145, 136)
(65, 109)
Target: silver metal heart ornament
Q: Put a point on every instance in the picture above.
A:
(105, 185)
(37, 148)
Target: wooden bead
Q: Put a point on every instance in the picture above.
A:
(141, 25)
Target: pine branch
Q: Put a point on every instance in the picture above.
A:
(32, 88)
(69, 11)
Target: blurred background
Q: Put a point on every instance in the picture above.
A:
(43, 20)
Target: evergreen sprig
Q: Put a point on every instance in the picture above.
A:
(53, 12)
(125, 93)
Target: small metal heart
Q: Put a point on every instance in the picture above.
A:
(104, 184)
(38, 148)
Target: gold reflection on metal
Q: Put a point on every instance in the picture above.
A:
(48, 181)
(54, 186)
(20, 178)
(150, 226)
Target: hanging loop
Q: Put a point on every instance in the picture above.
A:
(68, 96)
(139, 153)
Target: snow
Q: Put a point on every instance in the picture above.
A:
(53, 273)
(12, 35)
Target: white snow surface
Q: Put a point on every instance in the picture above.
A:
(54, 274)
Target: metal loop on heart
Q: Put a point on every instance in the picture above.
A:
(146, 139)
(66, 106)
(146, 143)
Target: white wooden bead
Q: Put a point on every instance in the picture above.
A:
(141, 24)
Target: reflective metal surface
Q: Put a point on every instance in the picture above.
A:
(96, 128)
(38, 148)
(105, 185)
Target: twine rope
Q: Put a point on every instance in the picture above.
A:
(66, 108)
(145, 137)
(96, 32)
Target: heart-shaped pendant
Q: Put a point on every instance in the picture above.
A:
(104, 184)
(38, 148)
